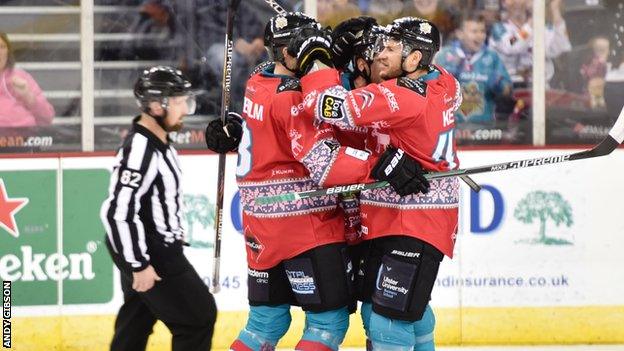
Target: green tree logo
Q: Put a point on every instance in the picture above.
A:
(544, 206)
(198, 210)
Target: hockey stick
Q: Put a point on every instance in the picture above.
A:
(605, 147)
(276, 7)
(225, 107)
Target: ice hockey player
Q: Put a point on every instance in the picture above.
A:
(296, 251)
(409, 235)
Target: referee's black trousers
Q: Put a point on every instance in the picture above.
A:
(180, 300)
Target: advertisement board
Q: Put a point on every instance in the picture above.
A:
(536, 261)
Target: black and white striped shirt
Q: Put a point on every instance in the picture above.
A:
(145, 197)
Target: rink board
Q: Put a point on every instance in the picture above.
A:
(512, 280)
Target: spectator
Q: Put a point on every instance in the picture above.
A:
(248, 44)
(385, 11)
(479, 70)
(616, 10)
(512, 38)
(444, 17)
(156, 21)
(331, 12)
(556, 37)
(490, 10)
(594, 70)
(22, 103)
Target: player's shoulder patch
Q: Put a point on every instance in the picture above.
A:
(413, 84)
(289, 84)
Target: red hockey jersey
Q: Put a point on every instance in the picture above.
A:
(282, 150)
(416, 115)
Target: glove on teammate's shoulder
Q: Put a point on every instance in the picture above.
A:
(309, 44)
(343, 47)
(404, 173)
(218, 140)
(344, 38)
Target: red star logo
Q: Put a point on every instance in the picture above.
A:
(8, 208)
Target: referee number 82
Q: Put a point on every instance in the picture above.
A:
(129, 178)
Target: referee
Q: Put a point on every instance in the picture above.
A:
(144, 234)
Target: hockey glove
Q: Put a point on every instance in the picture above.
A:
(346, 36)
(308, 45)
(404, 174)
(342, 49)
(224, 138)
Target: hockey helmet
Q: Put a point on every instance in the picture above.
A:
(159, 83)
(416, 34)
(362, 29)
(281, 28)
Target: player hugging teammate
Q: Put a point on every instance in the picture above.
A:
(360, 104)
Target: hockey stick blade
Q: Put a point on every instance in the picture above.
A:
(605, 147)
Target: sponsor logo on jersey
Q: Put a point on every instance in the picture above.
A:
(250, 90)
(390, 98)
(367, 98)
(296, 110)
(414, 85)
(257, 274)
(354, 105)
(389, 286)
(332, 107)
(289, 84)
(301, 282)
(253, 244)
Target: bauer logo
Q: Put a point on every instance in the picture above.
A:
(40, 257)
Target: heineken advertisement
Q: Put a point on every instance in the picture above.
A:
(47, 266)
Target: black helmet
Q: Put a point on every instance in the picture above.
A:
(365, 30)
(280, 29)
(157, 84)
(161, 81)
(362, 28)
(416, 34)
